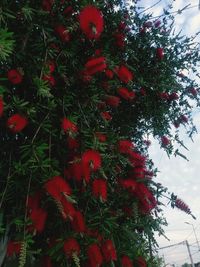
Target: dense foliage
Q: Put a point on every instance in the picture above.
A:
(83, 85)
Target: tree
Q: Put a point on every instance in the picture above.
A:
(83, 85)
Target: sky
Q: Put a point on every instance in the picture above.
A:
(178, 175)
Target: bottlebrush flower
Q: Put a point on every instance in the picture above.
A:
(112, 101)
(157, 23)
(146, 198)
(68, 126)
(78, 222)
(182, 206)
(63, 33)
(13, 247)
(99, 189)
(136, 159)
(125, 146)
(47, 5)
(46, 261)
(106, 116)
(91, 22)
(68, 11)
(33, 201)
(57, 187)
(16, 123)
(124, 74)
(164, 96)
(126, 261)
(128, 184)
(119, 39)
(108, 250)
(126, 94)
(95, 65)
(94, 255)
(71, 246)
(141, 262)
(173, 96)
(14, 76)
(109, 73)
(66, 208)
(1, 106)
(101, 137)
(139, 172)
(193, 91)
(184, 119)
(76, 171)
(50, 79)
(92, 159)
(165, 141)
(38, 217)
(72, 143)
(148, 24)
(160, 53)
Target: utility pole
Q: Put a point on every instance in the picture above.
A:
(189, 252)
(194, 234)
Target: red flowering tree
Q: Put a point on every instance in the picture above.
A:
(82, 86)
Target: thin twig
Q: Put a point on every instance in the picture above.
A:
(38, 129)
(7, 182)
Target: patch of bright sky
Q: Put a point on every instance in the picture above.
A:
(180, 176)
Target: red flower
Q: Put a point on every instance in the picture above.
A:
(68, 126)
(146, 198)
(193, 91)
(173, 96)
(71, 246)
(1, 106)
(125, 146)
(108, 250)
(14, 76)
(94, 255)
(47, 5)
(160, 53)
(136, 159)
(33, 201)
(92, 159)
(38, 217)
(109, 73)
(106, 116)
(112, 101)
(164, 96)
(16, 123)
(63, 33)
(141, 262)
(157, 23)
(95, 65)
(139, 172)
(184, 119)
(46, 262)
(101, 137)
(182, 206)
(129, 184)
(57, 187)
(50, 79)
(68, 11)
(78, 222)
(91, 22)
(72, 143)
(126, 262)
(124, 74)
(68, 210)
(99, 189)
(120, 39)
(126, 94)
(13, 248)
(165, 141)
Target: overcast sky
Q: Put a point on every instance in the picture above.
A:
(180, 176)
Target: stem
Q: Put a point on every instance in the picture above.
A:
(7, 182)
